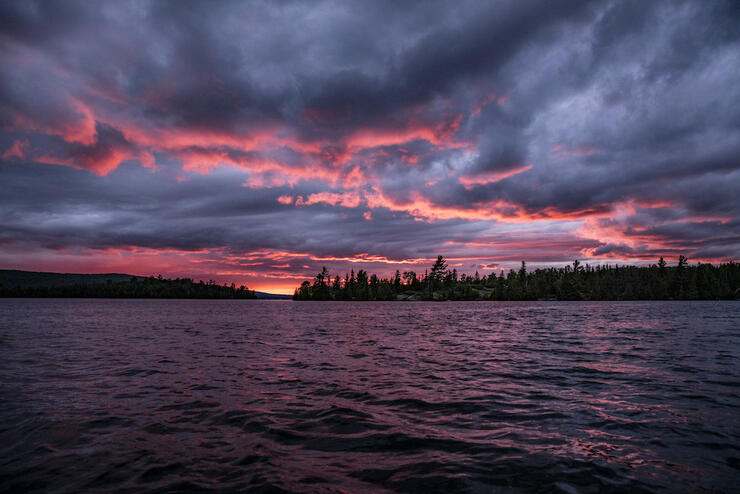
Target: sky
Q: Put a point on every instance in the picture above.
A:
(255, 142)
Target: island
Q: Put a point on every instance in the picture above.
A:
(573, 282)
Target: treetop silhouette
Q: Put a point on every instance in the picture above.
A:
(576, 282)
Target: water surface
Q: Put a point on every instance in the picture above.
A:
(168, 395)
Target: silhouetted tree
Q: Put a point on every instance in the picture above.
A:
(438, 273)
(576, 282)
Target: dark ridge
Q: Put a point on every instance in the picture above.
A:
(32, 279)
(15, 283)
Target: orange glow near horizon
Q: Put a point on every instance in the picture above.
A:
(263, 270)
(345, 171)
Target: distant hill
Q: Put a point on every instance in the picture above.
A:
(11, 278)
(31, 282)
(273, 296)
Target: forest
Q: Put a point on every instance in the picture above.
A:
(135, 287)
(659, 281)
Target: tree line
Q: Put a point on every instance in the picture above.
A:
(574, 282)
(136, 287)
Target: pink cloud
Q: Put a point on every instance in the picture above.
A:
(19, 149)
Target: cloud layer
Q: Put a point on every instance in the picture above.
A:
(256, 141)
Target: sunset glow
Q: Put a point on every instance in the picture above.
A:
(243, 160)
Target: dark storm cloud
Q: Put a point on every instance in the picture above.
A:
(138, 207)
(372, 128)
(226, 63)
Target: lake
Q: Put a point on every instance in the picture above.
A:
(280, 396)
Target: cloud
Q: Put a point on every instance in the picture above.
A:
(602, 129)
(18, 150)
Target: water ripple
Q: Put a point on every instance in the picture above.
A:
(171, 396)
